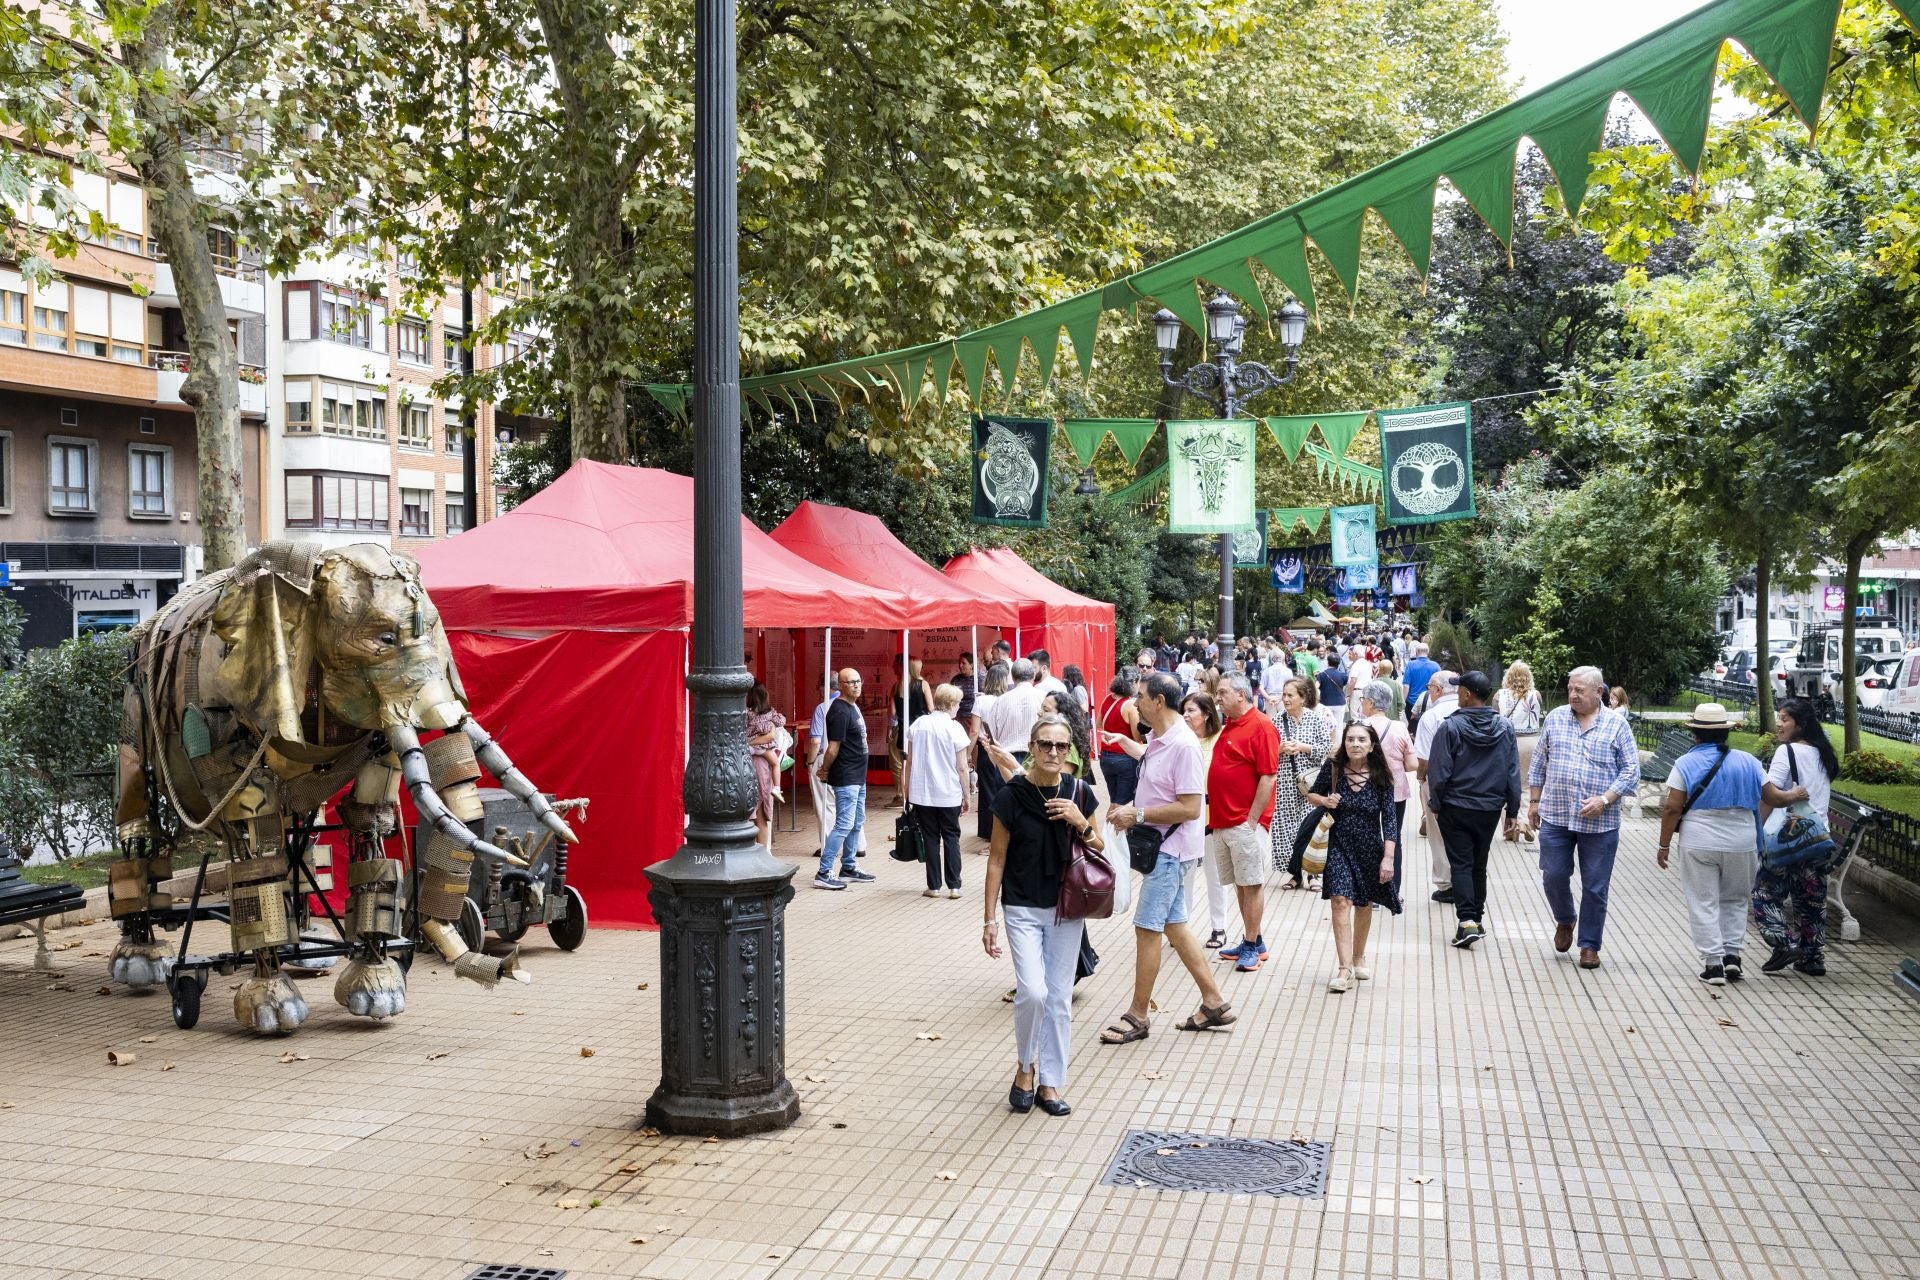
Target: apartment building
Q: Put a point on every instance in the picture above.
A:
(344, 439)
(98, 480)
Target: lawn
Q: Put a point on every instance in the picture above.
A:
(88, 871)
(1898, 799)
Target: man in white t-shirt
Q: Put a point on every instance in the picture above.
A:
(935, 787)
(1359, 675)
(1443, 699)
(1185, 674)
(1010, 719)
(1043, 678)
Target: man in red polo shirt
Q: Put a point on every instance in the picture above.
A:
(1246, 759)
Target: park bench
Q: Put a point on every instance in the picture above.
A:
(1667, 749)
(30, 904)
(1851, 823)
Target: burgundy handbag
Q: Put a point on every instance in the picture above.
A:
(1086, 886)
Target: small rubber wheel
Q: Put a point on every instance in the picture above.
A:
(186, 1000)
(472, 925)
(570, 930)
(516, 915)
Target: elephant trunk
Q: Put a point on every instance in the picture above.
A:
(414, 772)
(488, 752)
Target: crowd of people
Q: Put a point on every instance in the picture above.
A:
(1296, 760)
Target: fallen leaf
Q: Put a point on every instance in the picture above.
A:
(1153, 1006)
(64, 946)
(84, 955)
(1629, 1030)
(711, 1139)
(103, 991)
(629, 1168)
(595, 1203)
(8, 1106)
(1825, 1151)
(1154, 1075)
(432, 1057)
(637, 1240)
(1199, 1145)
(1421, 1181)
(544, 1253)
(1139, 1182)
(166, 1066)
(1727, 1022)
(839, 1125)
(641, 987)
(291, 1056)
(1167, 1151)
(519, 1013)
(945, 1175)
(585, 1052)
(816, 1079)
(566, 1204)
(649, 1132)
(1051, 1173)
(928, 1035)
(121, 1058)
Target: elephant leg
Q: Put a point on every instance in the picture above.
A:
(370, 985)
(447, 870)
(268, 1003)
(371, 988)
(138, 959)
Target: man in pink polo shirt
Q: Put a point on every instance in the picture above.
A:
(1173, 780)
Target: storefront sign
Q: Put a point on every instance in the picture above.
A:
(1836, 599)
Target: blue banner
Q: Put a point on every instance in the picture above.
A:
(1289, 573)
(1362, 577)
(1353, 541)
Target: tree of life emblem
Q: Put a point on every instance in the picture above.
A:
(1009, 477)
(1246, 546)
(1428, 460)
(1211, 452)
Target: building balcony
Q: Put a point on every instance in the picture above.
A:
(76, 377)
(243, 288)
(170, 371)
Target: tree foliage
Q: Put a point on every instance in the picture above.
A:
(59, 722)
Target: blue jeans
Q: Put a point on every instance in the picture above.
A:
(1560, 849)
(849, 828)
(1163, 896)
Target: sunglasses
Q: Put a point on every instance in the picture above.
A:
(1052, 746)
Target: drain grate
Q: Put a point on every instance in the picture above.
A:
(1150, 1159)
(513, 1271)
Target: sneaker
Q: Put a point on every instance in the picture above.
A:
(1714, 975)
(1731, 965)
(953, 893)
(1780, 959)
(1257, 945)
(1467, 934)
(828, 882)
(854, 875)
(1812, 968)
(929, 893)
(1251, 958)
(1443, 895)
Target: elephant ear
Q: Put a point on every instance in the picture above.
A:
(262, 621)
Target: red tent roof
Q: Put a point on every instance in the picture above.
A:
(611, 548)
(856, 545)
(998, 571)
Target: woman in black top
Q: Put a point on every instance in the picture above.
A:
(1356, 786)
(1036, 818)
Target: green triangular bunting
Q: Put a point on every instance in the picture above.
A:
(1287, 259)
(1410, 218)
(1291, 433)
(1339, 429)
(942, 366)
(1236, 277)
(1487, 184)
(1339, 239)
(1280, 522)
(1793, 45)
(1677, 98)
(1085, 435)
(1132, 434)
(1080, 317)
(972, 354)
(1569, 143)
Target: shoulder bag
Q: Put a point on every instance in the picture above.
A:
(1143, 846)
(1293, 762)
(1087, 884)
(1803, 842)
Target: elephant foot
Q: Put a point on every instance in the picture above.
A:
(489, 970)
(371, 990)
(140, 964)
(269, 1004)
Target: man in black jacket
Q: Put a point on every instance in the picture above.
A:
(1473, 772)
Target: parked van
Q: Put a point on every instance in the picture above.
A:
(1814, 673)
(1903, 692)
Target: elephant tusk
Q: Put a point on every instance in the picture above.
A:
(489, 754)
(413, 771)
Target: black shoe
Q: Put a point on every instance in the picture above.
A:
(1055, 1106)
(1443, 895)
(1467, 934)
(1731, 964)
(1812, 968)
(1020, 1100)
(1714, 976)
(1780, 959)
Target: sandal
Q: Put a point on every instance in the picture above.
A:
(1211, 1019)
(1291, 884)
(1216, 940)
(1127, 1030)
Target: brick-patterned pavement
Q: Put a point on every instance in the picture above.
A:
(1492, 1113)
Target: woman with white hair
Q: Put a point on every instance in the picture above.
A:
(1518, 703)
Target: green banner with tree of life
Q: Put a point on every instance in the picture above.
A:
(1353, 543)
(1426, 455)
(1010, 466)
(1210, 485)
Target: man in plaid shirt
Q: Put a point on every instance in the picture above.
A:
(1584, 765)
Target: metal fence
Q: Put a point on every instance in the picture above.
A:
(1901, 726)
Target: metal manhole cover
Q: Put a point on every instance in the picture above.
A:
(512, 1271)
(1150, 1159)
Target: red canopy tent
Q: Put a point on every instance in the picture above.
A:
(856, 545)
(1072, 628)
(569, 619)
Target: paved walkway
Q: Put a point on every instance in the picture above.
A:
(1493, 1113)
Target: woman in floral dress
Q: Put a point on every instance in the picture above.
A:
(1304, 740)
(1357, 788)
(764, 725)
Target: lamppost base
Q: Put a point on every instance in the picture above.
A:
(722, 915)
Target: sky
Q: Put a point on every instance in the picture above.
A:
(1549, 38)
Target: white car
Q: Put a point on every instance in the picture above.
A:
(1903, 686)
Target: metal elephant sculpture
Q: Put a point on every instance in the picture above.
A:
(254, 697)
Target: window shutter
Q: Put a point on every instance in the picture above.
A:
(129, 318)
(90, 193)
(299, 302)
(90, 310)
(128, 207)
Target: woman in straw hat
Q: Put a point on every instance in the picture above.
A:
(1713, 806)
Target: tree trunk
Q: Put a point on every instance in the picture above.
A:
(1856, 552)
(1763, 674)
(178, 217)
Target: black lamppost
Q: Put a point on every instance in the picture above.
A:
(1228, 385)
(721, 900)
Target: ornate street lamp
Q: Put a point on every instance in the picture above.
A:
(1228, 384)
(721, 900)
(1088, 487)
